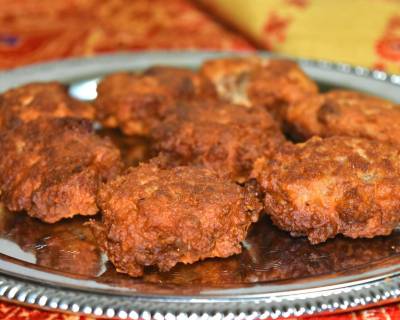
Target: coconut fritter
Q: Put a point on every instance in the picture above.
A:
(337, 185)
(136, 102)
(40, 100)
(249, 81)
(347, 113)
(52, 169)
(162, 217)
(220, 136)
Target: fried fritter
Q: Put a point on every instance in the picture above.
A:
(337, 185)
(217, 135)
(136, 102)
(273, 84)
(161, 217)
(40, 100)
(347, 113)
(52, 168)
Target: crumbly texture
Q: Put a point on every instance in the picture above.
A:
(273, 84)
(52, 169)
(218, 135)
(137, 102)
(162, 217)
(347, 113)
(40, 100)
(337, 185)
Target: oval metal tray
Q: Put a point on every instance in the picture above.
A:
(59, 267)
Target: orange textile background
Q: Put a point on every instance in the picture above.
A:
(33, 31)
(41, 30)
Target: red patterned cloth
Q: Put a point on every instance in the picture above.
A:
(33, 31)
(40, 30)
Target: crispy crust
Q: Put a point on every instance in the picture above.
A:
(40, 100)
(273, 84)
(52, 168)
(329, 186)
(136, 103)
(161, 217)
(347, 113)
(221, 136)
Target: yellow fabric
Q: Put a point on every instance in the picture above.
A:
(360, 32)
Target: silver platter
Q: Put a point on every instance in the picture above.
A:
(56, 266)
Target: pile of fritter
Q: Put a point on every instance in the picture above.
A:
(222, 136)
(188, 160)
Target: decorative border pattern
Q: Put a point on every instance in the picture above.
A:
(124, 307)
(188, 308)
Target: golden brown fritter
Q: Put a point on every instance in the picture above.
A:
(52, 168)
(136, 102)
(132, 102)
(40, 100)
(161, 217)
(218, 135)
(273, 84)
(335, 185)
(347, 113)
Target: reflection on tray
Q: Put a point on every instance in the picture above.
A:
(268, 254)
